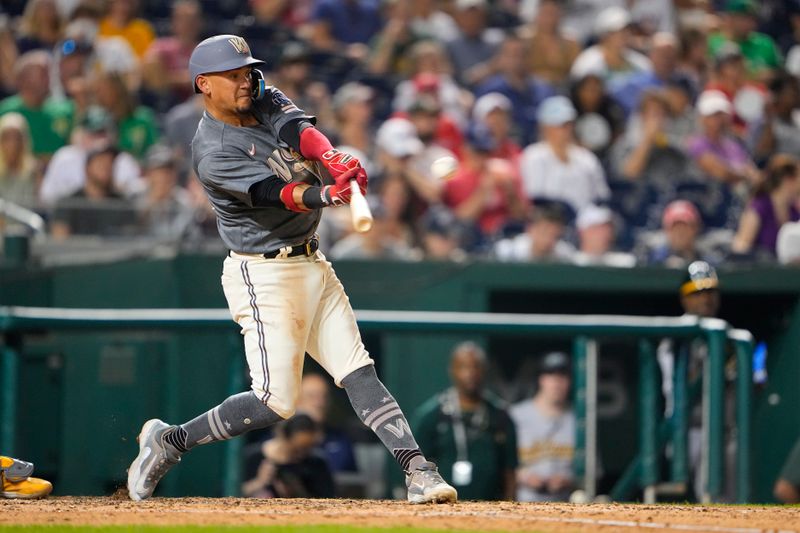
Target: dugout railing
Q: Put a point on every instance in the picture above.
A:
(586, 332)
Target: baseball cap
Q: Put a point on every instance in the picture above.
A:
(712, 102)
(746, 7)
(612, 19)
(351, 92)
(680, 211)
(593, 215)
(398, 137)
(700, 276)
(555, 363)
(788, 246)
(488, 103)
(555, 111)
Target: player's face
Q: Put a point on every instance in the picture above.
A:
(231, 90)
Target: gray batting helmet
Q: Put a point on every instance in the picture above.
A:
(218, 54)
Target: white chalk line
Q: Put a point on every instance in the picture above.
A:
(507, 516)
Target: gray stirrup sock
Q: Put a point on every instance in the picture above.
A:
(238, 414)
(378, 410)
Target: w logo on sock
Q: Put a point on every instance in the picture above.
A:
(399, 428)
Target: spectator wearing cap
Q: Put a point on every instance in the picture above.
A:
(402, 154)
(652, 148)
(353, 109)
(165, 65)
(542, 239)
(66, 172)
(612, 58)
(494, 111)
(777, 131)
(50, 122)
(774, 203)
(122, 21)
(434, 127)
(596, 236)
(663, 56)
(136, 125)
(19, 169)
(549, 51)
(716, 153)
(73, 62)
(545, 427)
(600, 119)
(740, 21)
(344, 25)
(40, 27)
(431, 78)
(788, 246)
(164, 208)
(681, 224)
(514, 82)
(730, 77)
(556, 168)
(485, 191)
(472, 51)
(96, 209)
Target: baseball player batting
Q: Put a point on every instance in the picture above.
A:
(257, 156)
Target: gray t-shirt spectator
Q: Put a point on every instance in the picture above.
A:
(546, 447)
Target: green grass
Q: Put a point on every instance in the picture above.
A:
(209, 529)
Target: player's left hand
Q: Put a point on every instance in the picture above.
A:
(338, 163)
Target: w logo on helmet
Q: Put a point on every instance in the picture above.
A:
(240, 45)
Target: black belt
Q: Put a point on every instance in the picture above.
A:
(307, 249)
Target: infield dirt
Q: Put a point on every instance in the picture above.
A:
(473, 516)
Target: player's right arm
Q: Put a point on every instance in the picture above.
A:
(251, 183)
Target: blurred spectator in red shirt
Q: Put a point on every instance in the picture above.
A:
(434, 126)
(493, 110)
(166, 63)
(485, 191)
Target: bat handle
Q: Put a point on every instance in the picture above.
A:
(359, 209)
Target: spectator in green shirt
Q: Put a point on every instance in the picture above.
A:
(740, 21)
(787, 487)
(49, 121)
(137, 129)
(468, 432)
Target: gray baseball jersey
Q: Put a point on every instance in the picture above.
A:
(229, 160)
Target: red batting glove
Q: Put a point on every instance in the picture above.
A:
(339, 163)
(339, 193)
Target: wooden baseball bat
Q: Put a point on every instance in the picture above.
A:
(359, 209)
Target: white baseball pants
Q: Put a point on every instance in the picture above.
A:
(287, 307)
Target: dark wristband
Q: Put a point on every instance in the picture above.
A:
(316, 197)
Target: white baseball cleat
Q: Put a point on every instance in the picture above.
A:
(425, 485)
(154, 460)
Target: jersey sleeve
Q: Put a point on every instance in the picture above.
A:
(275, 109)
(233, 174)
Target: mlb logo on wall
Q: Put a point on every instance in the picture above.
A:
(240, 45)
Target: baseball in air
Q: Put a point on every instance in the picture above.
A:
(444, 168)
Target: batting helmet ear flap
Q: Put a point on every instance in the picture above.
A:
(259, 84)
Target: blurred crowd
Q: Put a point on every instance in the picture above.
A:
(593, 132)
